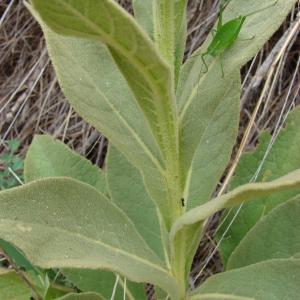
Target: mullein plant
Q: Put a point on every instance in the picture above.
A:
(171, 129)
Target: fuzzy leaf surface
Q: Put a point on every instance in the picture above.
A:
(274, 236)
(47, 157)
(90, 86)
(283, 157)
(271, 280)
(165, 23)
(72, 225)
(145, 70)
(201, 94)
(128, 192)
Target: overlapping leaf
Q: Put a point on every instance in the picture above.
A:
(271, 280)
(72, 225)
(283, 157)
(201, 93)
(240, 195)
(132, 50)
(98, 92)
(47, 158)
(275, 236)
(127, 191)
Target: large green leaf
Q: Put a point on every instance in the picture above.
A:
(47, 157)
(201, 94)
(127, 191)
(88, 77)
(103, 282)
(272, 280)
(132, 50)
(283, 157)
(240, 195)
(64, 223)
(12, 287)
(275, 236)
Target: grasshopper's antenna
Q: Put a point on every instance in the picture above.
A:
(261, 9)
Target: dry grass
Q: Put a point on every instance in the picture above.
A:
(31, 101)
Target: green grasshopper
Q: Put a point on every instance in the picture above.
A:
(226, 34)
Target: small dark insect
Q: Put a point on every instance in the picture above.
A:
(226, 34)
(182, 202)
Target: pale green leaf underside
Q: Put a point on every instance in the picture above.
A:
(275, 236)
(271, 280)
(82, 296)
(71, 225)
(12, 287)
(127, 191)
(134, 52)
(241, 194)
(283, 157)
(47, 157)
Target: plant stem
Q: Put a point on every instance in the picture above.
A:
(165, 30)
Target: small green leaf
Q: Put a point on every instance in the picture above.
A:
(47, 157)
(12, 287)
(64, 223)
(274, 236)
(17, 257)
(271, 280)
(13, 145)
